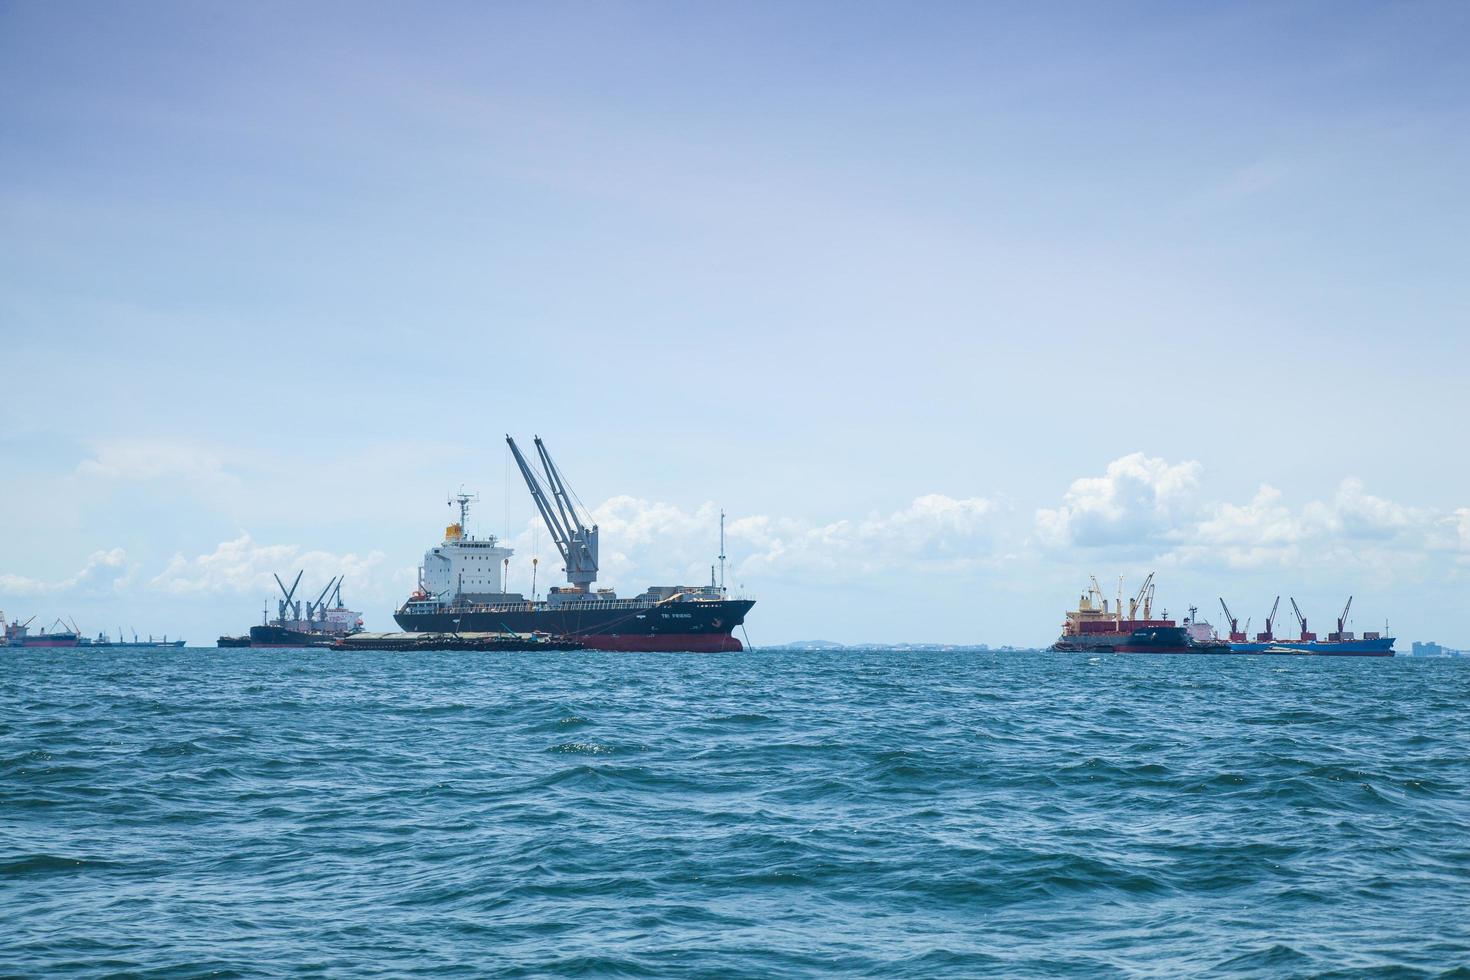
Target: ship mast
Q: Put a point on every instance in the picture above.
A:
(464, 500)
(722, 550)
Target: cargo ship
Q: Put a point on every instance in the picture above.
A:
(461, 586)
(18, 634)
(1099, 625)
(321, 626)
(105, 642)
(1341, 642)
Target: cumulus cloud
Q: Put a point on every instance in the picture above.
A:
(1151, 503)
(1139, 499)
(242, 566)
(652, 539)
(934, 531)
(104, 571)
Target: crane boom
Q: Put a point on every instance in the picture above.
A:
(559, 534)
(1342, 633)
(1228, 618)
(564, 505)
(1266, 635)
(1302, 620)
(285, 606)
(576, 542)
(317, 607)
(1144, 599)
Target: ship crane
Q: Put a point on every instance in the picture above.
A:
(1302, 620)
(1236, 634)
(1342, 633)
(1267, 636)
(318, 609)
(285, 605)
(576, 542)
(1144, 599)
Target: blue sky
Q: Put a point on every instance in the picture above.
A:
(947, 305)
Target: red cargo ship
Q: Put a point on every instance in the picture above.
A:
(18, 634)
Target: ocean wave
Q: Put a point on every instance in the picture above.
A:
(924, 814)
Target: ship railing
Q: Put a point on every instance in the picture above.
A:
(508, 607)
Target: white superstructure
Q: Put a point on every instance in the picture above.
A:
(463, 564)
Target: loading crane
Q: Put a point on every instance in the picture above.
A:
(1267, 636)
(1342, 633)
(1302, 621)
(318, 609)
(1143, 600)
(574, 539)
(1236, 634)
(284, 606)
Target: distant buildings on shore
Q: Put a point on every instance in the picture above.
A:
(1431, 649)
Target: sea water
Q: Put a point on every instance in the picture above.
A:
(774, 814)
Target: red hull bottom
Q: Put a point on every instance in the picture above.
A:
(664, 643)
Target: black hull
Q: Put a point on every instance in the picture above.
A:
(700, 627)
(1156, 639)
(279, 636)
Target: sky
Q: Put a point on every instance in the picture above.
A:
(948, 306)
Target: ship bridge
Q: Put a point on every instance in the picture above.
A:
(464, 565)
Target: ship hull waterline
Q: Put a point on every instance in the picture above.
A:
(684, 627)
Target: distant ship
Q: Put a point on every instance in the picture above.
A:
(103, 641)
(1339, 643)
(1100, 626)
(18, 634)
(322, 625)
(461, 586)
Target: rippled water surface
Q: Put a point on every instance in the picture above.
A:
(243, 812)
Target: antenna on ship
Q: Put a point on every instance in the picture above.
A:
(464, 500)
(722, 549)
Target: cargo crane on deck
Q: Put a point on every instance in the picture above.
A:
(1237, 635)
(285, 605)
(1342, 633)
(1302, 621)
(1268, 636)
(1143, 600)
(576, 541)
(318, 610)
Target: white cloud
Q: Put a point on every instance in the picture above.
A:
(1137, 500)
(242, 566)
(104, 571)
(1149, 502)
(934, 531)
(1358, 514)
(644, 539)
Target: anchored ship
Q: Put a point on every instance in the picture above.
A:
(461, 585)
(18, 634)
(105, 642)
(1340, 643)
(1099, 625)
(322, 625)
